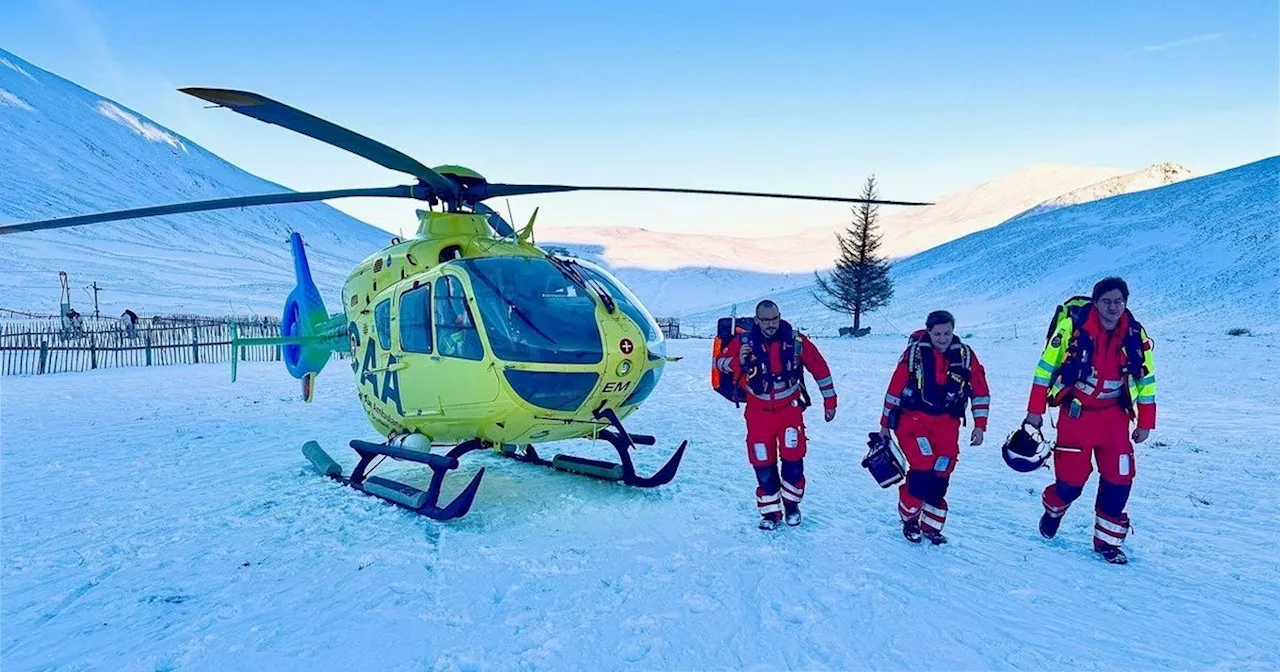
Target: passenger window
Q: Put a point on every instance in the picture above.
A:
(415, 320)
(382, 321)
(456, 334)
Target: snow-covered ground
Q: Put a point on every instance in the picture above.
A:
(163, 518)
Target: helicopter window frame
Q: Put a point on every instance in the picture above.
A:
(411, 340)
(382, 323)
(476, 350)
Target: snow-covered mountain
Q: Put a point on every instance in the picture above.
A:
(705, 268)
(69, 151)
(1159, 175)
(1200, 255)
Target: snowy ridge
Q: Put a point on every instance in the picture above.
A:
(68, 151)
(1151, 177)
(709, 268)
(1198, 255)
(910, 230)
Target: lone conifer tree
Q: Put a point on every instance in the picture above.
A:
(860, 282)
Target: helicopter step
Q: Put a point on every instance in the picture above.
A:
(621, 440)
(424, 502)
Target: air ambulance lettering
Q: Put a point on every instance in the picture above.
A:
(391, 385)
(617, 386)
(353, 338)
(370, 362)
(369, 370)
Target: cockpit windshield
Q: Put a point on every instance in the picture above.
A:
(532, 312)
(631, 306)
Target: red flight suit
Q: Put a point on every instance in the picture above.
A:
(1093, 424)
(928, 434)
(774, 415)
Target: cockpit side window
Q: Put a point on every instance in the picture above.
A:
(382, 321)
(415, 320)
(456, 334)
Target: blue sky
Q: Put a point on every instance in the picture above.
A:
(931, 97)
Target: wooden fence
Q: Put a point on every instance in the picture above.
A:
(670, 326)
(38, 347)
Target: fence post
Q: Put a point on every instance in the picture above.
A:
(148, 342)
(93, 350)
(44, 356)
(195, 347)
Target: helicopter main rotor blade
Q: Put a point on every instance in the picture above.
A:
(274, 112)
(500, 225)
(482, 191)
(405, 191)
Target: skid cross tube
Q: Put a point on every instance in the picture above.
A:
(621, 440)
(426, 502)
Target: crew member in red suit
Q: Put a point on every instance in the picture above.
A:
(937, 377)
(1098, 368)
(768, 361)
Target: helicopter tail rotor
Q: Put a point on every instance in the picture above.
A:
(308, 336)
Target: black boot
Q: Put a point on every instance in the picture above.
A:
(1049, 525)
(911, 530)
(1111, 554)
(934, 536)
(770, 521)
(792, 516)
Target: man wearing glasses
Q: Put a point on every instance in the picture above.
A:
(1098, 369)
(768, 362)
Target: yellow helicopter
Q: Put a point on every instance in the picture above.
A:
(465, 336)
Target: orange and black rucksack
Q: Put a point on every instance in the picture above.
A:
(727, 329)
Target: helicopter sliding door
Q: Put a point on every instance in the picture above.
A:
(422, 393)
(460, 365)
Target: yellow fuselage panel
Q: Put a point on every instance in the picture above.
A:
(450, 399)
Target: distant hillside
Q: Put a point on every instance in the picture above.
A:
(1199, 255)
(678, 273)
(1159, 175)
(69, 151)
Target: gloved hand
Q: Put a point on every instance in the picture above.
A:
(830, 413)
(975, 439)
(1034, 419)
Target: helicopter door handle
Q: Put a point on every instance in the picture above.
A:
(398, 366)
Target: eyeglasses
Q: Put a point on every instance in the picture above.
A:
(770, 320)
(1118, 303)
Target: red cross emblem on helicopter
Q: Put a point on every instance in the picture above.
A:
(626, 346)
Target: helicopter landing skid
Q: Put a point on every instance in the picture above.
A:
(425, 502)
(621, 440)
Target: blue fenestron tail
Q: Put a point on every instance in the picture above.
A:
(308, 335)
